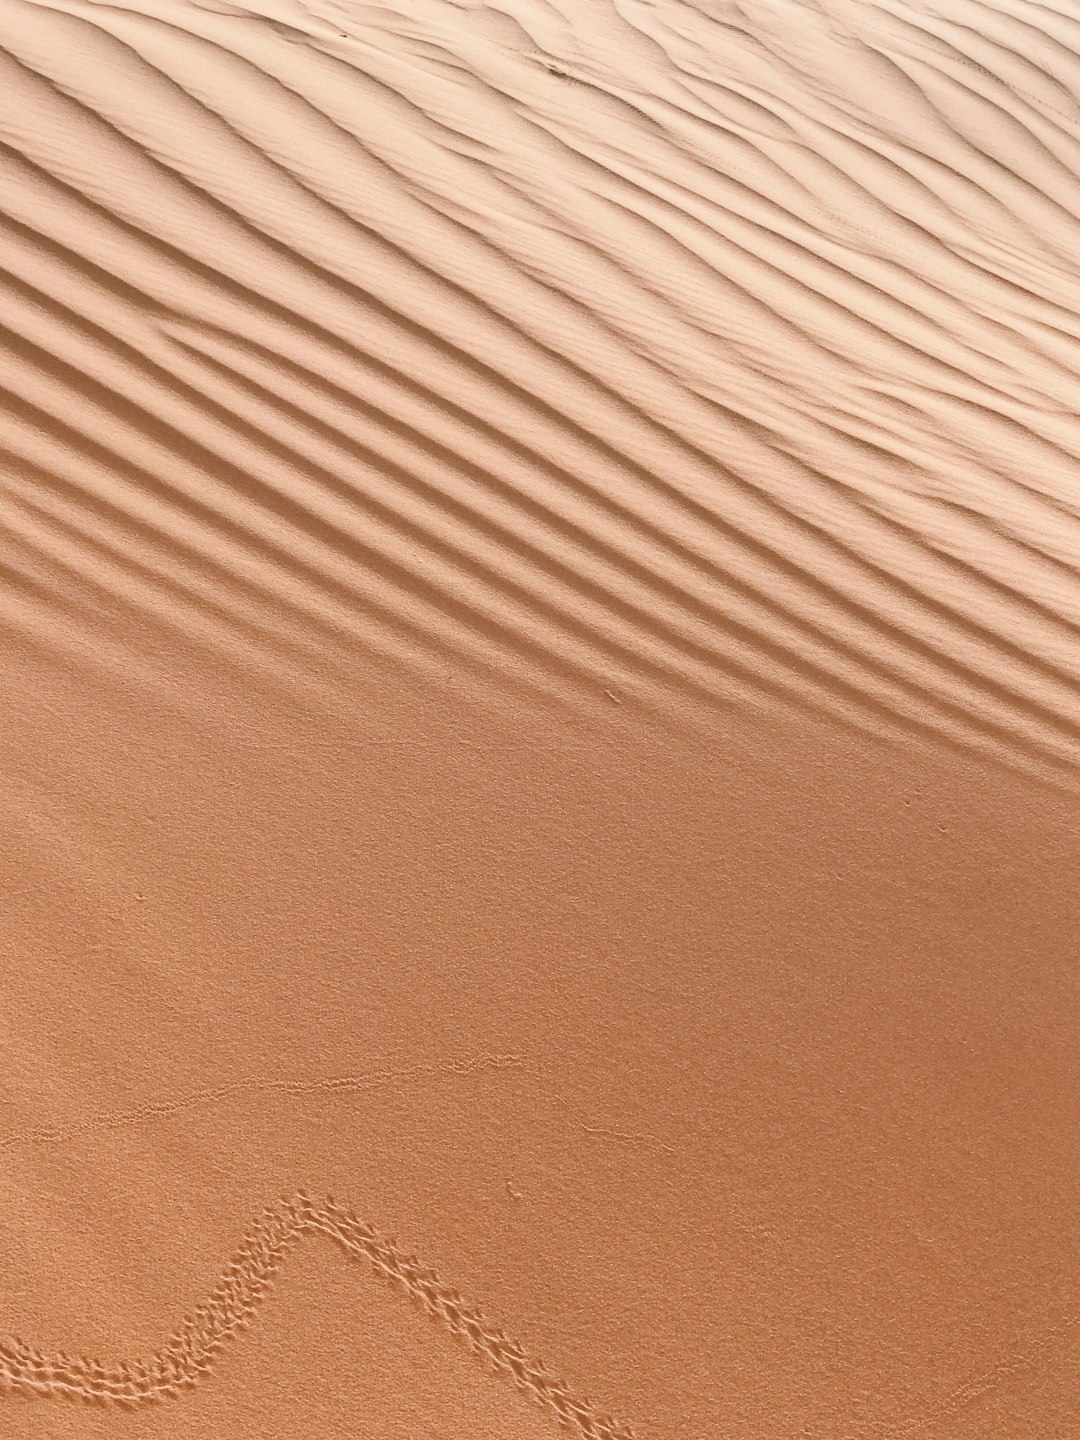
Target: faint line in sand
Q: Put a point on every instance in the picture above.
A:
(1019, 1361)
(212, 1095)
(599, 1132)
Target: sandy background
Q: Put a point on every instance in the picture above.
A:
(538, 605)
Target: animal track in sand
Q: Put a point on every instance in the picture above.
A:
(193, 1348)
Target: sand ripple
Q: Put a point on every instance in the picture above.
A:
(700, 355)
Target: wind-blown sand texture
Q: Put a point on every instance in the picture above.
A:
(541, 658)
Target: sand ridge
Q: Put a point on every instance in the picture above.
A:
(546, 352)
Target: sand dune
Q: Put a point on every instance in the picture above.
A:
(547, 530)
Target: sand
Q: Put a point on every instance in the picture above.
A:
(539, 721)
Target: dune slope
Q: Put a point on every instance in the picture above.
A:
(539, 607)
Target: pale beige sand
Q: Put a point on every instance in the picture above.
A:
(539, 607)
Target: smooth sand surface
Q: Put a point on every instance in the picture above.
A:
(539, 720)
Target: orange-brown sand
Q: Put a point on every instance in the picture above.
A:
(539, 720)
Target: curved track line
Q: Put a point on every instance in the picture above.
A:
(192, 1350)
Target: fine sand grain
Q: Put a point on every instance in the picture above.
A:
(540, 697)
